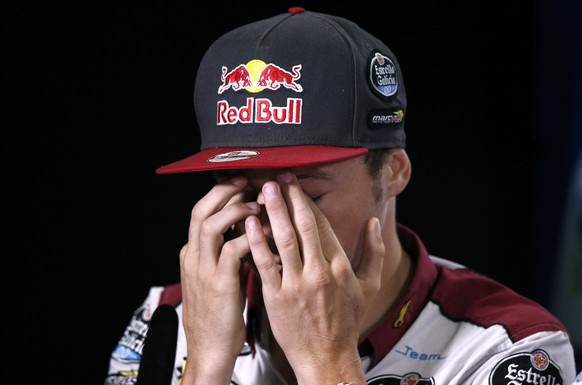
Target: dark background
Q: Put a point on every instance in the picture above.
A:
(96, 95)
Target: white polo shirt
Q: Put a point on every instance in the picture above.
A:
(452, 326)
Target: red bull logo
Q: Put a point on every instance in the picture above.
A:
(256, 76)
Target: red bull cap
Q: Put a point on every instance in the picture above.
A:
(297, 89)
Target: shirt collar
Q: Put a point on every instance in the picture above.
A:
(412, 302)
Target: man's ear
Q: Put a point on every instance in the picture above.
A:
(397, 170)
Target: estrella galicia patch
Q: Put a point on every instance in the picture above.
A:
(407, 379)
(130, 346)
(526, 368)
(382, 74)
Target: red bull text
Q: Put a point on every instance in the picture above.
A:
(260, 110)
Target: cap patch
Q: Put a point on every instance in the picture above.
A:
(385, 117)
(233, 156)
(383, 74)
(526, 368)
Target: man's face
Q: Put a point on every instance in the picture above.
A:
(343, 191)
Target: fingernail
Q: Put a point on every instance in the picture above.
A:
(285, 177)
(252, 223)
(239, 181)
(252, 205)
(270, 189)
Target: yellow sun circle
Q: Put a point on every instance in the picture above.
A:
(255, 67)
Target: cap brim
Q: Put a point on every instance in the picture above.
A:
(264, 157)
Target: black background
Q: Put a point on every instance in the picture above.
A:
(96, 95)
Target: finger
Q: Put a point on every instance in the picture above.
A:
(302, 218)
(214, 201)
(212, 229)
(283, 229)
(330, 245)
(182, 254)
(247, 194)
(372, 259)
(262, 255)
(232, 254)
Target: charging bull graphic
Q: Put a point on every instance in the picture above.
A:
(273, 76)
(256, 76)
(238, 78)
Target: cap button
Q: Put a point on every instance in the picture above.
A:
(296, 10)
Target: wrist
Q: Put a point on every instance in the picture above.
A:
(345, 370)
(207, 369)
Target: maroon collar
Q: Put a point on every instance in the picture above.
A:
(399, 321)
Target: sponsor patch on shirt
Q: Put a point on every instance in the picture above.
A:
(122, 378)
(525, 368)
(130, 346)
(407, 379)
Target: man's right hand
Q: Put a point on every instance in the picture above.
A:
(212, 299)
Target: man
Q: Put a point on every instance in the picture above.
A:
(296, 270)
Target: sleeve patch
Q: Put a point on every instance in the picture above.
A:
(535, 368)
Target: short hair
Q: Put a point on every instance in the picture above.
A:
(374, 159)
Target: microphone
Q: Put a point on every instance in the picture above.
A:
(159, 351)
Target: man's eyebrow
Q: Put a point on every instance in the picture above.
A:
(304, 173)
(312, 173)
(220, 175)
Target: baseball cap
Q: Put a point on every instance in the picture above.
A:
(297, 89)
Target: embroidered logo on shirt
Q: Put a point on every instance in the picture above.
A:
(130, 346)
(399, 321)
(526, 368)
(407, 379)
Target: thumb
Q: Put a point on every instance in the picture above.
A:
(369, 271)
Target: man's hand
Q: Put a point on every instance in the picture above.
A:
(317, 303)
(211, 289)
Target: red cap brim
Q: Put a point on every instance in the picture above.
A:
(264, 157)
